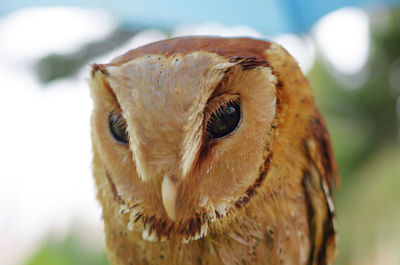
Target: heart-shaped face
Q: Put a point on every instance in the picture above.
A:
(183, 131)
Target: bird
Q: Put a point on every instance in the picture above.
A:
(210, 150)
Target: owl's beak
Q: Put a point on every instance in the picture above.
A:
(169, 191)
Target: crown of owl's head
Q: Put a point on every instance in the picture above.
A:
(184, 129)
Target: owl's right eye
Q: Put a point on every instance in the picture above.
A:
(117, 125)
(224, 121)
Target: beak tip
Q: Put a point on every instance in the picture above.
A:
(169, 193)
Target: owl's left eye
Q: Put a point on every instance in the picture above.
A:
(117, 125)
(224, 121)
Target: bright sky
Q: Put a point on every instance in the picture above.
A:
(343, 37)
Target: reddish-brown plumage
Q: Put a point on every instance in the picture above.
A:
(318, 128)
(261, 195)
(234, 49)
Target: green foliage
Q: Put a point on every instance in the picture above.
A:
(71, 251)
(361, 119)
(368, 211)
(55, 66)
(364, 128)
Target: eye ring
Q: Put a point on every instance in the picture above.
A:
(225, 120)
(117, 125)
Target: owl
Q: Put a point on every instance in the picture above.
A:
(211, 151)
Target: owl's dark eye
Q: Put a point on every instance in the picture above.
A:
(117, 125)
(224, 121)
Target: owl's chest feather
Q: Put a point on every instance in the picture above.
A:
(272, 229)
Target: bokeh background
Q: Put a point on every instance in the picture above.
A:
(349, 49)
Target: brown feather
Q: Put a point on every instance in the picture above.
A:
(262, 195)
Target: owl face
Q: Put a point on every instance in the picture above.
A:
(181, 129)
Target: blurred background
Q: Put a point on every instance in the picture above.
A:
(349, 49)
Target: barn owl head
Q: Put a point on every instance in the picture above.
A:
(183, 129)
